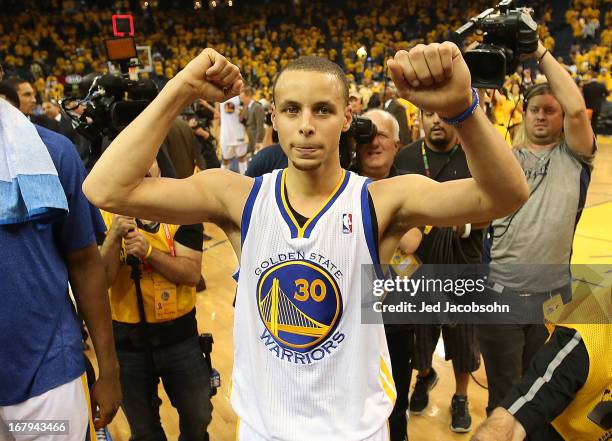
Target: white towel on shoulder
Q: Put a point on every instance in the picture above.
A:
(30, 189)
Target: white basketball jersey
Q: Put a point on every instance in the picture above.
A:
(232, 130)
(305, 368)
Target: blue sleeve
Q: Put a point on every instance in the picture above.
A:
(84, 221)
(257, 165)
(267, 160)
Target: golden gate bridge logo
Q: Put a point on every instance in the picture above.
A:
(299, 303)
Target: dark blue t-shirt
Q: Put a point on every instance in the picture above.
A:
(268, 159)
(40, 339)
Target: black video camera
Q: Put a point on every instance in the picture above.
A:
(112, 102)
(507, 33)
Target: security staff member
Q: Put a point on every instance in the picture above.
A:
(164, 343)
(564, 395)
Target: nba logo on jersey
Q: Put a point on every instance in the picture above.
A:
(347, 223)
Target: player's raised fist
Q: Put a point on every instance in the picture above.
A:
(212, 77)
(433, 77)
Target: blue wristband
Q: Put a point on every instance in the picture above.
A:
(465, 115)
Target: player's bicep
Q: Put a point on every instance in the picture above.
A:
(204, 196)
(445, 204)
(414, 200)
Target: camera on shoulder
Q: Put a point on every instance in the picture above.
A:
(507, 34)
(112, 101)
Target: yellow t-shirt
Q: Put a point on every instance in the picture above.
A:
(163, 300)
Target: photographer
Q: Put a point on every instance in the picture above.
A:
(555, 147)
(53, 110)
(164, 342)
(375, 160)
(183, 149)
(200, 120)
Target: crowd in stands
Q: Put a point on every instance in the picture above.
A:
(49, 49)
(55, 43)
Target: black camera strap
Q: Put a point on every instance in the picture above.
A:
(136, 273)
(143, 327)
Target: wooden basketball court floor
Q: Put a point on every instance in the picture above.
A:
(592, 244)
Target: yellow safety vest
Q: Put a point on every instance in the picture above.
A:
(155, 287)
(573, 424)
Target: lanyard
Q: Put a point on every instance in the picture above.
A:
(426, 160)
(169, 240)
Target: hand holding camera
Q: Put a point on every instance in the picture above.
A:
(535, 55)
(197, 128)
(126, 228)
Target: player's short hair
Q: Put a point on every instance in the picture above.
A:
(312, 63)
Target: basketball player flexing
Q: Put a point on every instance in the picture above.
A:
(304, 366)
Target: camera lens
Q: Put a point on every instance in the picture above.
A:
(487, 67)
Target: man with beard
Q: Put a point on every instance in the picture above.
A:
(439, 156)
(531, 248)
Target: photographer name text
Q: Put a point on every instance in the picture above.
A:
(437, 307)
